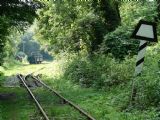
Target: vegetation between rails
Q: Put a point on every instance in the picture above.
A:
(94, 55)
(109, 103)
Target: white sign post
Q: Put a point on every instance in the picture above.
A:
(140, 57)
(144, 31)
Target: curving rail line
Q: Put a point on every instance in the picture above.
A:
(77, 108)
(35, 100)
(89, 117)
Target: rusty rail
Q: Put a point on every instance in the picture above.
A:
(89, 117)
(32, 95)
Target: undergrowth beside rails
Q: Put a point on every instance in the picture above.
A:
(102, 72)
(100, 85)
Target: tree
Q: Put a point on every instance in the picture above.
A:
(118, 42)
(109, 11)
(12, 41)
(15, 13)
(28, 44)
(19, 11)
(3, 32)
(158, 9)
(77, 25)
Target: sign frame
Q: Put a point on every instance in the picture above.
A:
(154, 25)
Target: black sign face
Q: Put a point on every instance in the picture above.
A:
(145, 31)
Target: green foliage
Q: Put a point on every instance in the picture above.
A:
(76, 25)
(119, 44)
(147, 85)
(28, 45)
(94, 35)
(14, 13)
(108, 10)
(10, 63)
(1, 75)
(19, 105)
(12, 41)
(1, 71)
(89, 26)
(131, 12)
(99, 72)
(115, 97)
(158, 9)
(104, 72)
(80, 72)
(3, 33)
(20, 12)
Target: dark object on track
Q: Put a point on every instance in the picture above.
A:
(35, 58)
(7, 96)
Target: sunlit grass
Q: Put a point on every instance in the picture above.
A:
(103, 105)
(46, 68)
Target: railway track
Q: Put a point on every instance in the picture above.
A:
(22, 79)
(85, 115)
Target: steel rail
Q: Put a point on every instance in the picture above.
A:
(89, 117)
(35, 100)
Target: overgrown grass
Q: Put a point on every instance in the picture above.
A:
(55, 107)
(99, 71)
(103, 105)
(19, 107)
(101, 86)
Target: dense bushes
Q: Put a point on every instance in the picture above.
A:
(148, 84)
(148, 91)
(119, 43)
(1, 74)
(1, 71)
(99, 71)
(103, 72)
(3, 33)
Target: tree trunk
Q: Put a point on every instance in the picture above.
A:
(111, 13)
(108, 10)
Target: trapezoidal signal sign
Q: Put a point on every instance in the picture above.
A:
(145, 31)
